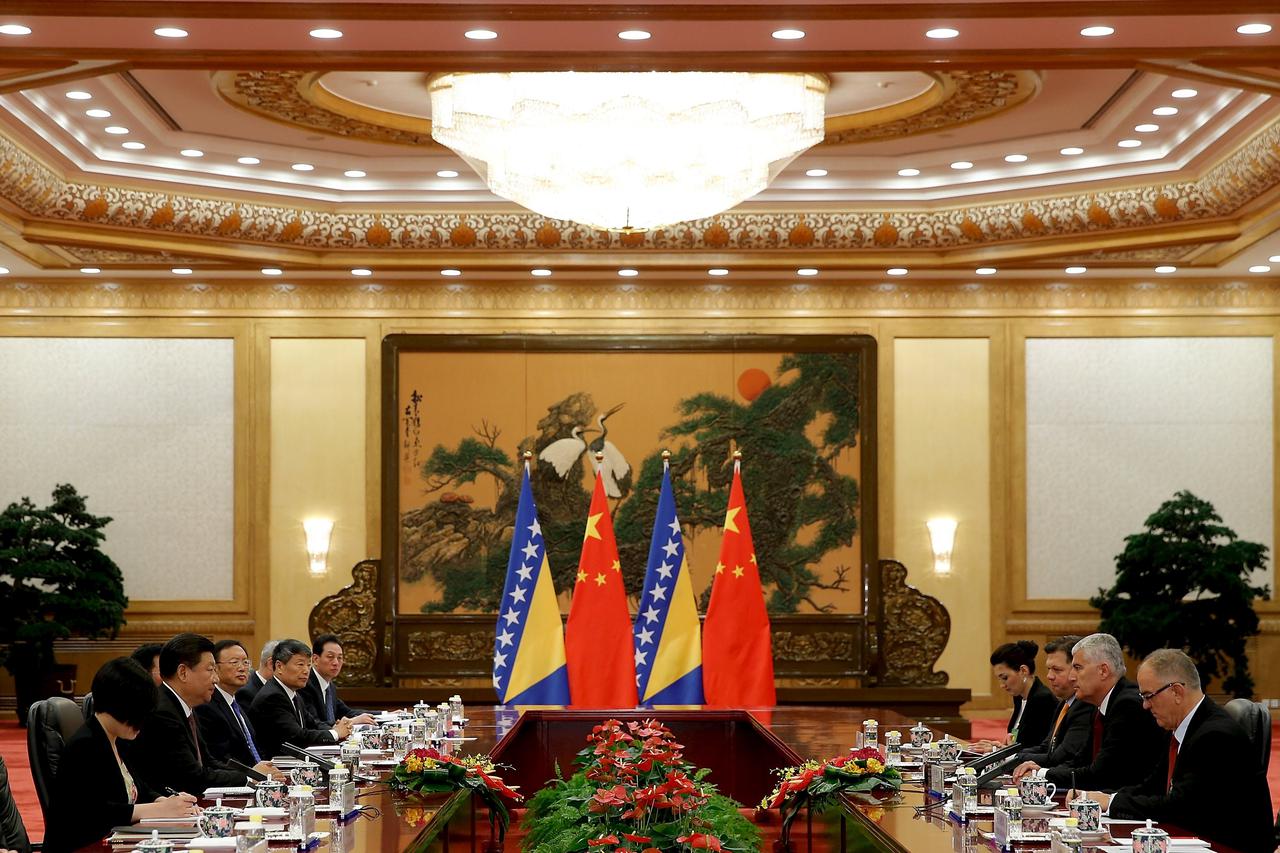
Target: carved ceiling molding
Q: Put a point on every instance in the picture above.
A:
(1166, 254)
(299, 98)
(666, 300)
(129, 257)
(1222, 192)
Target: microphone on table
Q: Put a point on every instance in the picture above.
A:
(994, 764)
(299, 752)
(255, 775)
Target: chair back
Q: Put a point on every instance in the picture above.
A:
(13, 834)
(86, 705)
(1255, 719)
(50, 724)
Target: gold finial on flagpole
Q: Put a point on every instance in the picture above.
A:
(666, 460)
(737, 456)
(528, 454)
(599, 455)
(666, 454)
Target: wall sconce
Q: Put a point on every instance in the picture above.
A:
(942, 536)
(319, 531)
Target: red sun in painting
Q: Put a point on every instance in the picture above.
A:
(752, 382)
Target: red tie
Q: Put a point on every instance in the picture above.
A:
(195, 738)
(1173, 759)
(1097, 733)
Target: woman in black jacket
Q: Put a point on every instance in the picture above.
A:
(94, 789)
(1014, 666)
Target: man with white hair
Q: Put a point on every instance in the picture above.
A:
(1125, 742)
(1209, 779)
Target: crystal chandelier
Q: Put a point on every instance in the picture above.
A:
(628, 151)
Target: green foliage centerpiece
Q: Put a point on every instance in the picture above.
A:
(635, 793)
(428, 771)
(819, 784)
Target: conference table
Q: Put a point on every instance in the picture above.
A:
(532, 739)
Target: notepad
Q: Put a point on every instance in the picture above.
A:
(227, 791)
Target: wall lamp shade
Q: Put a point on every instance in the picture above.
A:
(942, 538)
(319, 531)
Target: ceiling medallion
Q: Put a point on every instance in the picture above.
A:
(628, 151)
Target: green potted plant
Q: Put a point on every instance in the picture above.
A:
(55, 582)
(1184, 583)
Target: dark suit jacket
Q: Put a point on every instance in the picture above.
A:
(1070, 743)
(89, 796)
(221, 731)
(245, 695)
(314, 698)
(1131, 745)
(275, 721)
(1042, 709)
(166, 755)
(1219, 793)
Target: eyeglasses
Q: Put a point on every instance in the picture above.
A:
(235, 664)
(1147, 697)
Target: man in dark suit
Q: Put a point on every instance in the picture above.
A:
(1068, 738)
(169, 751)
(259, 677)
(1209, 779)
(224, 724)
(321, 694)
(279, 713)
(148, 657)
(1124, 742)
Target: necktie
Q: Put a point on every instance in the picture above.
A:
(329, 709)
(297, 709)
(1053, 738)
(1097, 733)
(244, 728)
(1173, 759)
(195, 737)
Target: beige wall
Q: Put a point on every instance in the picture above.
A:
(317, 469)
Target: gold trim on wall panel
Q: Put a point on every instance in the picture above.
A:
(373, 452)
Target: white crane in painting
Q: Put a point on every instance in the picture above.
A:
(614, 465)
(563, 452)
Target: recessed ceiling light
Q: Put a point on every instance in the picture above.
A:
(272, 271)
(98, 113)
(718, 271)
(807, 271)
(942, 33)
(962, 165)
(15, 30)
(1184, 93)
(908, 173)
(4, 270)
(116, 130)
(1015, 158)
(633, 35)
(90, 270)
(452, 273)
(180, 271)
(248, 161)
(1071, 151)
(446, 173)
(1147, 128)
(170, 32)
(1129, 143)
(628, 273)
(1165, 111)
(1253, 29)
(77, 95)
(896, 271)
(481, 35)
(788, 35)
(816, 173)
(1097, 31)
(133, 146)
(361, 271)
(540, 272)
(985, 271)
(1076, 270)
(191, 152)
(1165, 270)
(1260, 268)
(1275, 259)
(354, 173)
(302, 167)
(326, 33)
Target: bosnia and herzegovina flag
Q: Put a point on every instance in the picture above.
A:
(528, 649)
(668, 642)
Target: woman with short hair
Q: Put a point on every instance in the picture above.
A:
(1014, 666)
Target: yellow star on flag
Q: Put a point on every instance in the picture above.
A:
(737, 571)
(753, 558)
(729, 516)
(582, 576)
(617, 566)
(592, 521)
(599, 580)
(719, 568)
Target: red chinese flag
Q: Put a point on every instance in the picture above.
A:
(597, 639)
(737, 655)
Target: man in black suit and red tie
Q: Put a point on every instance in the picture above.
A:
(281, 715)
(1209, 779)
(223, 722)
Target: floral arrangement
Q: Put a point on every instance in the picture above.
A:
(427, 771)
(635, 793)
(818, 784)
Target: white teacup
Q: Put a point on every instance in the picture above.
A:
(1036, 790)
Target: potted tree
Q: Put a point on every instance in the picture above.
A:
(1183, 583)
(55, 582)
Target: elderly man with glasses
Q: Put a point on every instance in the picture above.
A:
(1209, 779)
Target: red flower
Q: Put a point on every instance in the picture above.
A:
(701, 841)
(600, 842)
(638, 839)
